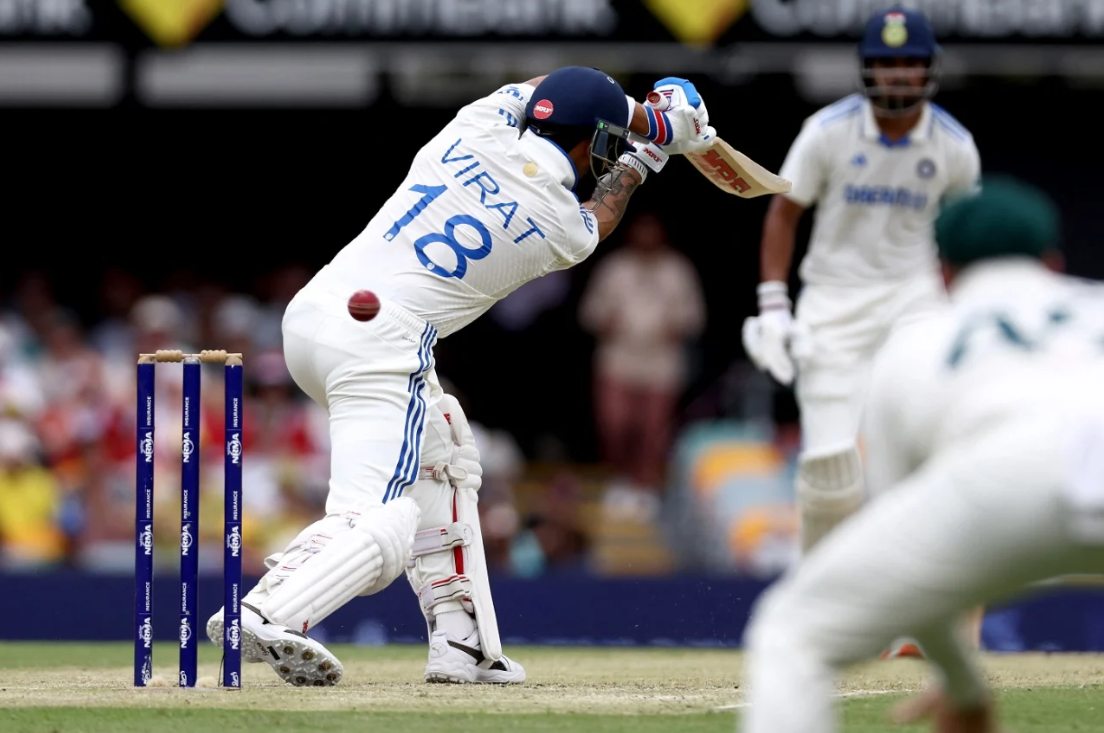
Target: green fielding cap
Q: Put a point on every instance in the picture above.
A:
(1007, 218)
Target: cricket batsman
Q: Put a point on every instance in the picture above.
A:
(876, 165)
(986, 464)
(488, 205)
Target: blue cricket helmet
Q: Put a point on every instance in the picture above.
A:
(577, 97)
(574, 104)
(898, 33)
(892, 34)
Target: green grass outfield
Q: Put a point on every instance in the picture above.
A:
(87, 688)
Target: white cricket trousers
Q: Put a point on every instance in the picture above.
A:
(376, 380)
(848, 325)
(1021, 503)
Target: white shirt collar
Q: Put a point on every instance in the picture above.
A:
(551, 157)
(921, 133)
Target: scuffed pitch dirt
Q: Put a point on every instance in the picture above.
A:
(611, 681)
(560, 680)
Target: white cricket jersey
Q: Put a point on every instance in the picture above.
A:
(876, 200)
(1017, 341)
(482, 211)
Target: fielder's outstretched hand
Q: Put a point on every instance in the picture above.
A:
(935, 706)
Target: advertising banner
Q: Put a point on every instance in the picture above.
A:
(432, 52)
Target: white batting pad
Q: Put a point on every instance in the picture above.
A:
(475, 568)
(449, 568)
(368, 557)
(830, 488)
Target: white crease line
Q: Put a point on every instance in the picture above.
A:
(856, 693)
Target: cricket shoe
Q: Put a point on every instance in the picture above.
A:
(249, 652)
(298, 659)
(462, 662)
(903, 648)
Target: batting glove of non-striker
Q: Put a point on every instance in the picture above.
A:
(773, 340)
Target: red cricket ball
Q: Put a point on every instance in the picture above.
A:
(363, 305)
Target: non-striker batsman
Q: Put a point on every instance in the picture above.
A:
(876, 165)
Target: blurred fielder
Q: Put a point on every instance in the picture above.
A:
(488, 205)
(876, 165)
(986, 453)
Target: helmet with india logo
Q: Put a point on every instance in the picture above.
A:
(900, 61)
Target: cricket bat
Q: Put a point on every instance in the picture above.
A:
(728, 168)
(735, 173)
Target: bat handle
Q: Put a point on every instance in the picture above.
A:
(658, 101)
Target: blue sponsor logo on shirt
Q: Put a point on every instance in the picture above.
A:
(885, 196)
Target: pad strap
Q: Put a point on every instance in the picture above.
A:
(456, 588)
(440, 539)
(443, 472)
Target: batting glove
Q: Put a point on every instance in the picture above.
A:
(773, 341)
(678, 117)
(644, 158)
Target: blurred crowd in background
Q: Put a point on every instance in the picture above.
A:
(67, 416)
(67, 436)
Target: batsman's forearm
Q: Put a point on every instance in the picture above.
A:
(611, 198)
(776, 254)
(777, 247)
(639, 123)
